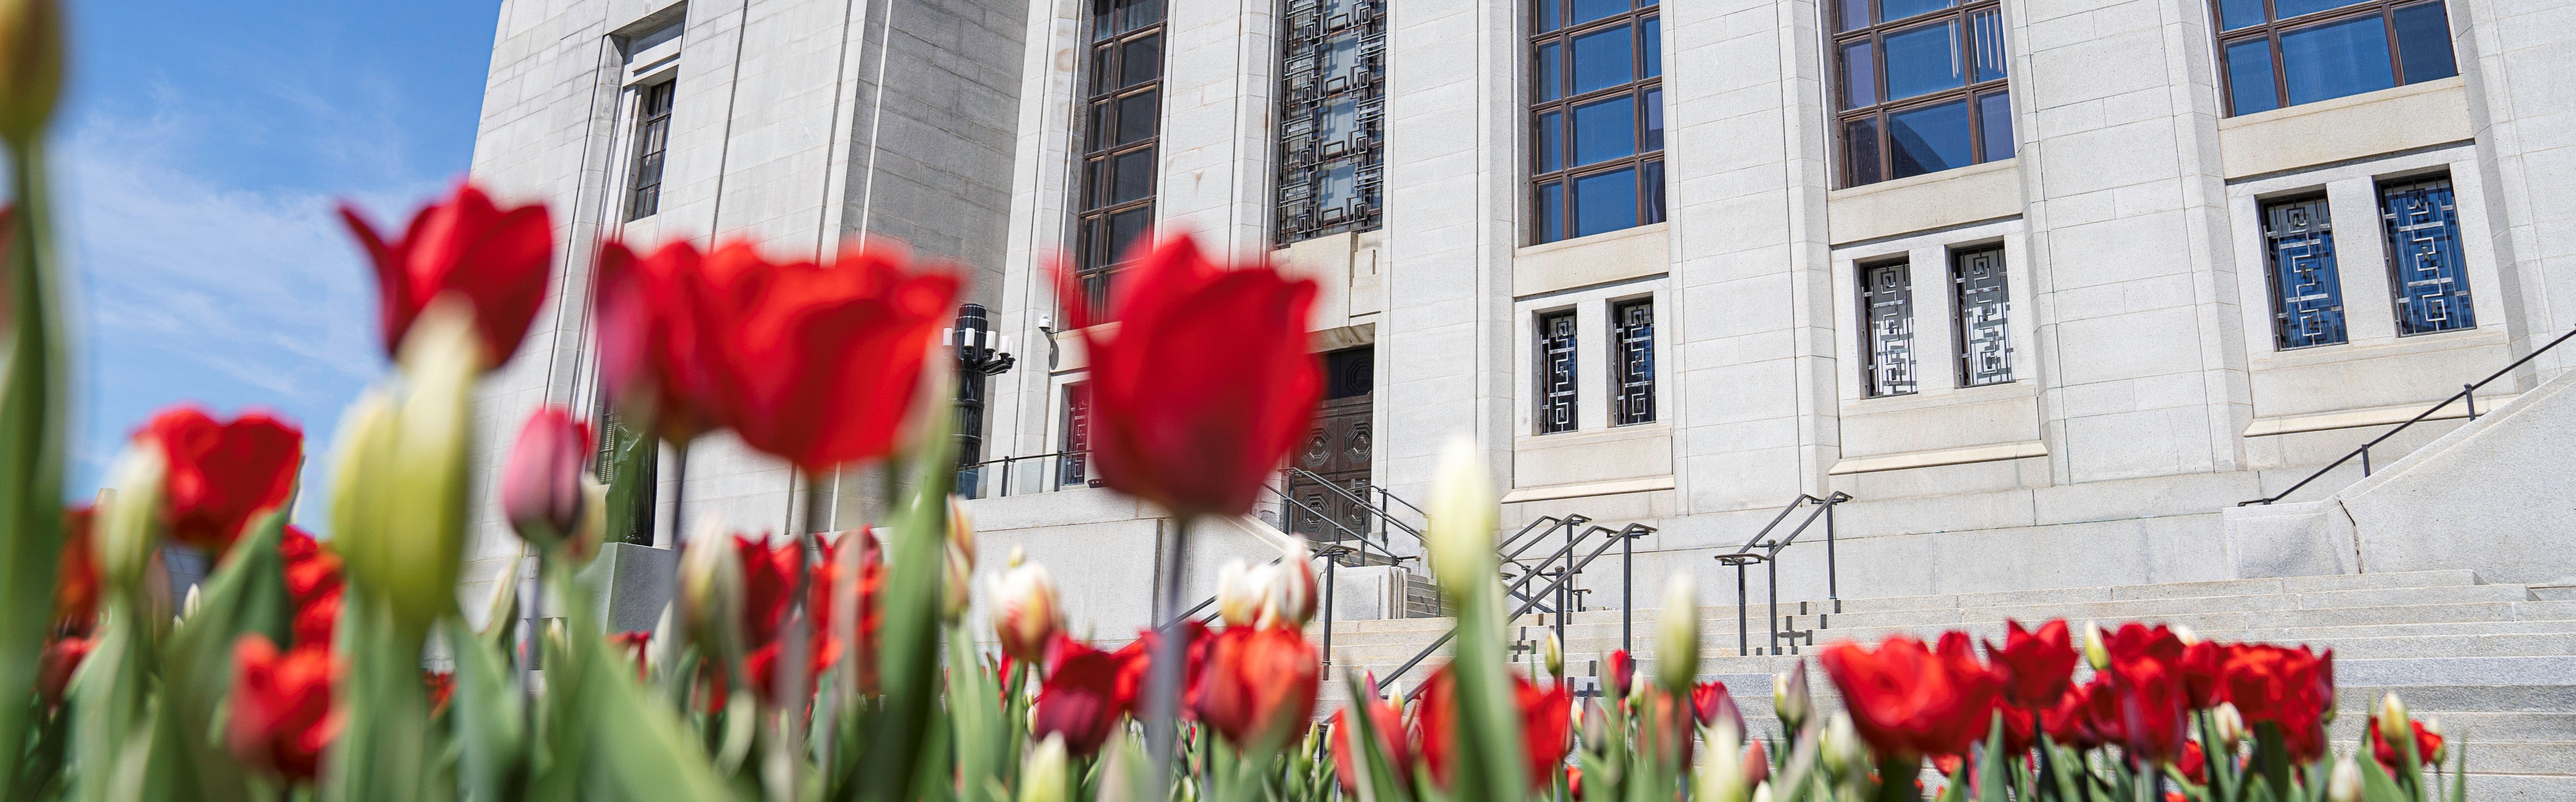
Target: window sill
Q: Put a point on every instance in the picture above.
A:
(1970, 194)
(2481, 337)
(1923, 399)
(1604, 258)
(2345, 128)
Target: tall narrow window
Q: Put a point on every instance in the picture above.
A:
(1332, 108)
(1887, 312)
(2307, 301)
(1920, 87)
(1556, 384)
(1984, 302)
(1635, 360)
(1073, 462)
(652, 143)
(1124, 120)
(1596, 116)
(2276, 53)
(2424, 269)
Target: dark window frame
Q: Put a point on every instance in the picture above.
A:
(1097, 258)
(2383, 189)
(1632, 362)
(2273, 26)
(1305, 160)
(644, 178)
(1971, 91)
(1561, 34)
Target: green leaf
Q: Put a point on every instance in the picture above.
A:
(384, 752)
(1990, 768)
(33, 393)
(974, 707)
(908, 652)
(489, 716)
(110, 704)
(633, 451)
(245, 596)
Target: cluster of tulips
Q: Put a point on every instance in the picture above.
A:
(842, 665)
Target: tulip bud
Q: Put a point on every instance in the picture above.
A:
(399, 489)
(2230, 724)
(1290, 597)
(957, 592)
(1757, 764)
(1461, 545)
(1044, 777)
(2441, 747)
(2392, 719)
(1842, 749)
(1238, 594)
(2096, 652)
(1555, 657)
(196, 598)
(961, 530)
(593, 528)
(31, 66)
(1619, 671)
(1790, 699)
(2344, 785)
(541, 482)
(1029, 615)
(1677, 649)
(2185, 634)
(1720, 776)
(1596, 727)
(711, 590)
(1762, 792)
(132, 528)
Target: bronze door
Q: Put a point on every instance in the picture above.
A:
(1338, 451)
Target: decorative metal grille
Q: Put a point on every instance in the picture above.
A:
(1332, 108)
(1075, 466)
(1984, 301)
(1123, 115)
(652, 141)
(1887, 303)
(2424, 265)
(2307, 302)
(1636, 361)
(1556, 385)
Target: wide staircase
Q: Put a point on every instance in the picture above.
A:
(2495, 662)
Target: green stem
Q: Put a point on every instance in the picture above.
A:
(32, 402)
(1896, 776)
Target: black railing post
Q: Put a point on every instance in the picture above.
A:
(1773, 566)
(1627, 592)
(1833, 584)
(1331, 561)
(1743, 633)
(2470, 392)
(2365, 460)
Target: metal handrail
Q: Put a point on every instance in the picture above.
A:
(1003, 480)
(1623, 535)
(1769, 556)
(2468, 392)
(1382, 512)
(1362, 537)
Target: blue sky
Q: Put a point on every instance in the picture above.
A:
(200, 151)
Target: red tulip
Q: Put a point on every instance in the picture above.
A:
(1388, 724)
(496, 259)
(2204, 670)
(1710, 704)
(1080, 699)
(2428, 745)
(2194, 763)
(1136, 667)
(1546, 727)
(2021, 728)
(220, 475)
(1258, 686)
(541, 481)
(1907, 700)
(76, 571)
(652, 356)
(1757, 764)
(2293, 688)
(1206, 382)
(54, 669)
(1619, 673)
(313, 587)
(442, 689)
(1574, 782)
(2038, 665)
(769, 586)
(2154, 703)
(636, 644)
(820, 364)
(2070, 721)
(282, 716)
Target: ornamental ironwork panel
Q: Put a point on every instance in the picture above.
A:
(2307, 301)
(1636, 362)
(2424, 263)
(1074, 466)
(1887, 303)
(1332, 109)
(1984, 301)
(1556, 386)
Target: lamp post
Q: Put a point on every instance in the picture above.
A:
(980, 353)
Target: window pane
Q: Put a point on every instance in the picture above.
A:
(1887, 310)
(1546, 15)
(1860, 151)
(1995, 123)
(1124, 228)
(1924, 59)
(2424, 43)
(2336, 59)
(1589, 10)
(1654, 122)
(1605, 130)
(1136, 117)
(1139, 61)
(2285, 9)
(1860, 75)
(1091, 182)
(1604, 59)
(2307, 300)
(1988, 29)
(2234, 14)
(1654, 192)
(1605, 202)
(1338, 189)
(1135, 173)
(2432, 288)
(1099, 131)
(2249, 76)
(1550, 142)
(1652, 31)
(1548, 75)
(1893, 10)
(1551, 212)
(1341, 58)
(1928, 140)
(1140, 13)
(1854, 16)
(1101, 77)
(1339, 122)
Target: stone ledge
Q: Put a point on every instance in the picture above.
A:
(1582, 489)
(1947, 456)
(2376, 416)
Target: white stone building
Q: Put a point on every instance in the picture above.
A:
(2045, 286)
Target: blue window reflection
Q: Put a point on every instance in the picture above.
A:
(1547, 14)
(1605, 202)
(1654, 121)
(2285, 9)
(1860, 75)
(1893, 10)
(1929, 139)
(1605, 130)
(1987, 36)
(1551, 212)
(1589, 10)
(1994, 122)
(1604, 59)
(1548, 72)
(1550, 143)
(1923, 60)
(2424, 42)
(2249, 76)
(1652, 32)
(2336, 59)
(2234, 14)
(2269, 66)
